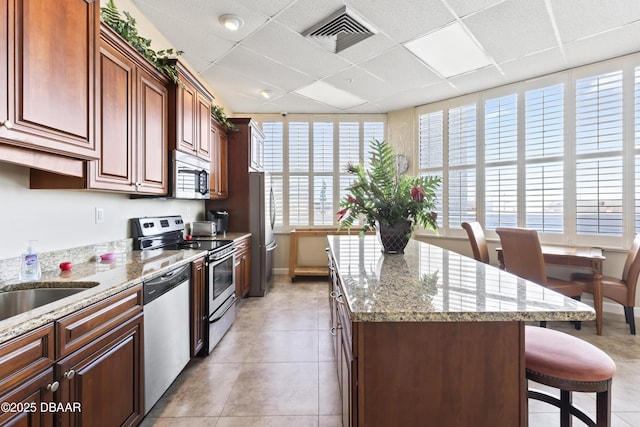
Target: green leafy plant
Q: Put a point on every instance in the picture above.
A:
(218, 112)
(380, 194)
(163, 60)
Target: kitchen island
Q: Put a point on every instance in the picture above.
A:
(432, 337)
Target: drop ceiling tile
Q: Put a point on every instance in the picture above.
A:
(406, 20)
(422, 96)
(531, 66)
(622, 41)
(581, 18)
(479, 80)
(231, 87)
(463, 8)
(268, 7)
(198, 17)
(285, 46)
(254, 66)
(513, 29)
(399, 69)
(360, 83)
(293, 103)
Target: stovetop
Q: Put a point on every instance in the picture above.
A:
(167, 233)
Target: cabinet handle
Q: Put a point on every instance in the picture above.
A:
(69, 374)
(7, 123)
(333, 331)
(339, 299)
(54, 386)
(333, 294)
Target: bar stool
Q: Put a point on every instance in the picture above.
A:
(570, 364)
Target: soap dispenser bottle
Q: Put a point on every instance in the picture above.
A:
(30, 265)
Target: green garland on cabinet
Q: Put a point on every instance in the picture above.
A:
(126, 27)
(221, 116)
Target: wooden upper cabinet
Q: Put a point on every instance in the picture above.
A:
(132, 127)
(48, 54)
(219, 184)
(190, 108)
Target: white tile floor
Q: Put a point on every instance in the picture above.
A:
(275, 367)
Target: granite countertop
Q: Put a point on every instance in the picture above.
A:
(105, 278)
(428, 283)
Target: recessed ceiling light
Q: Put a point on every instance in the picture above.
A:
(231, 22)
(450, 51)
(266, 94)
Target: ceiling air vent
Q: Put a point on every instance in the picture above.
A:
(340, 30)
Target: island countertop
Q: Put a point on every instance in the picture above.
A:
(431, 284)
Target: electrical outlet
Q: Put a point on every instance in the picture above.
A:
(99, 215)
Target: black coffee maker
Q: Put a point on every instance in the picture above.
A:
(221, 218)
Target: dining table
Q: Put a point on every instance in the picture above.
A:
(588, 258)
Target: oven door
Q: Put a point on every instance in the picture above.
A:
(222, 281)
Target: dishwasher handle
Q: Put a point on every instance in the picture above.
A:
(156, 287)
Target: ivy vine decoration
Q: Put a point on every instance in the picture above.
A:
(218, 112)
(163, 60)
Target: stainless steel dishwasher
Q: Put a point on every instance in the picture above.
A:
(166, 331)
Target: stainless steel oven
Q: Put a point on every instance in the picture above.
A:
(221, 292)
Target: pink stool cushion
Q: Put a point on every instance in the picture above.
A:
(564, 356)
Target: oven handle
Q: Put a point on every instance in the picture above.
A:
(214, 262)
(228, 304)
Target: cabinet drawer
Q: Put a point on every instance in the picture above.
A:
(242, 245)
(25, 356)
(84, 326)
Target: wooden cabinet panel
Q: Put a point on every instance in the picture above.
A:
(219, 183)
(198, 306)
(26, 355)
(30, 395)
(50, 75)
(190, 111)
(82, 327)
(115, 169)
(105, 379)
(153, 138)
(243, 267)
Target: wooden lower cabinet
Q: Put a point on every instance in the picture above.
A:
(104, 380)
(91, 374)
(243, 267)
(198, 305)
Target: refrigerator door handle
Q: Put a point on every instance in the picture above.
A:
(271, 246)
(272, 208)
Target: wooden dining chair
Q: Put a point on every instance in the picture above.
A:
(478, 241)
(623, 290)
(523, 257)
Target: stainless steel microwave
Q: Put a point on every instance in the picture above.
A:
(190, 176)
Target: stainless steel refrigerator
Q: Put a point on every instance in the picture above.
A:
(262, 217)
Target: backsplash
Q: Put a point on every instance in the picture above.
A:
(10, 268)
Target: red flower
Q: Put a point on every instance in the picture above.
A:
(417, 194)
(353, 200)
(341, 213)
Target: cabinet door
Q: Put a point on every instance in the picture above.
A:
(115, 169)
(32, 395)
(186, 132)
(198, 306)
(222, 165)
(152, 130)
(105, 379)
(51, 71)
(203, 126)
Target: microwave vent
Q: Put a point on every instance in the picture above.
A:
(341, 30)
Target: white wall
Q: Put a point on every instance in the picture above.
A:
(60, 219)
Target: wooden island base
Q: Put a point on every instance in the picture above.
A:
(440, 374)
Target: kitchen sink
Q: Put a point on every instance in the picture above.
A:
(19, 301)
